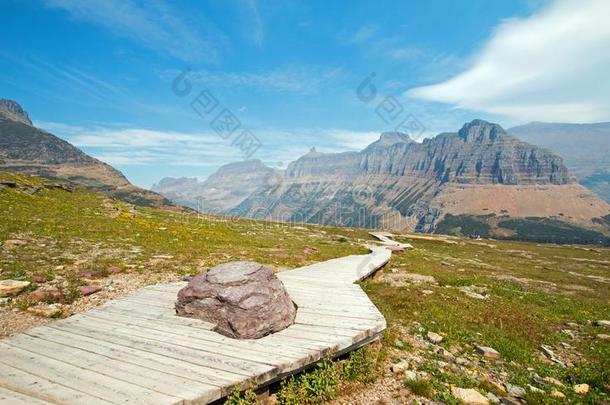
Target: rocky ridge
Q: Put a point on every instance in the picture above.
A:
(27, 149)
(400, 184)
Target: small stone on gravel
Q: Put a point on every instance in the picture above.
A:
(46, 311)
(515, 390)
(12, 287)
(400, 367)
(434, 337)
(603, 323)
(469, 396)
(488, 352)
(90, 290)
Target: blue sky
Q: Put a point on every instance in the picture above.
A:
(99, 73)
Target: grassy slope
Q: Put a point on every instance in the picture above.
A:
(84, 230)
(87, 231)
(516, 320)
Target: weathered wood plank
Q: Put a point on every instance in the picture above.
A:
(135, 349)
(80, 378)
(16, 398)
(35, 386)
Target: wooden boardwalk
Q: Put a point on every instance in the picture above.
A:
(135, 350)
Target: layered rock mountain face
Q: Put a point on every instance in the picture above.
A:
(585, 148)
(27, 149)
(400, 184)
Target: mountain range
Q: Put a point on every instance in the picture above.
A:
(477, 180)
(585, 148)
(27, 149)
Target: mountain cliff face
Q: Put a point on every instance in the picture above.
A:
(11, 110)
(585, 148)
(26, 149)
(396, 183)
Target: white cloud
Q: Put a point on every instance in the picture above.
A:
(152, 24)
(551, 66)
(353, 140)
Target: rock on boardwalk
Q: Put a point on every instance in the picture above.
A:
(244, 299)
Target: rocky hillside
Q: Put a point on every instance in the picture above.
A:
(585, 148)
(478, 175)
(27, 149)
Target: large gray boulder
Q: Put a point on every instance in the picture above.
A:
(244, 299)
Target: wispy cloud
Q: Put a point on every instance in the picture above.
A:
(153, 24)
(255, 30)
(363, 34)
(551, 66)
(291, 79)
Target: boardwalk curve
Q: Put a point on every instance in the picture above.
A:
(135, 350)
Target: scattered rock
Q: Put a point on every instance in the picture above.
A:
(115, 270)
(4, 301)
(12, 287)
(515, 390)
(427, 292)
(410, 375)
(244, 299)
(108, 282)
(474, 292)
(534, 389)
(44, 294)
(492, 398)
(510, 401)
(13, 243)
(400, 367)
(603, 323)
(46, 311)
(601, 336)
(557, 394)
(569, 333)
(582, 389)
(434, 337)
(469, 396)
(90, 290)
(460, 361)
(89, 274)
(38, 279)
(488, 352)
(553, 381)
(548, 352)
(399, 344)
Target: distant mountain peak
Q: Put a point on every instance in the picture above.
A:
(480, 131)
(11, 110)
(391, 138)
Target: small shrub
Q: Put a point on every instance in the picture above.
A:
(247, 397)
(314, 387)
(422, 388)
(360, 367)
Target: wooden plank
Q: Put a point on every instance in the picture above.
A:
(288, 353)
(137, 375)
(16, 398)
(195, 324)
(137, 356)
(256, 360)
(80, 378)
(35, 386)
(198, 355)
